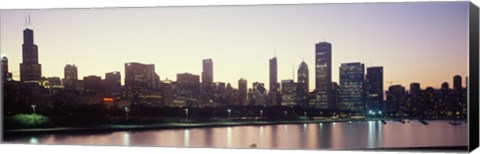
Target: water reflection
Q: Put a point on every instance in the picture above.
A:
(261, 136)
(186, 138)
(126, 138)
(229, 137)
(33, 140)
(292, 136)
(371, 134)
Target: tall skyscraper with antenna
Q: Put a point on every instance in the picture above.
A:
(273, 81)
(30, 69)
(302, 84)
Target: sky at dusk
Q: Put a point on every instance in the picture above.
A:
(424, 42)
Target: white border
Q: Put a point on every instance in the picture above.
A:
(46, 4)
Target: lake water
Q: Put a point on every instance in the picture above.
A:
(338, 135)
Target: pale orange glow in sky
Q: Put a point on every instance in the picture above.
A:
(414, 42)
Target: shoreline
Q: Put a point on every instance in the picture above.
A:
(14, 133)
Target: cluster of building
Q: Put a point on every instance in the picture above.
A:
(357, 91)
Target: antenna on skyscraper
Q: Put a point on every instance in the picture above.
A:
(29, 22)
(25, 21)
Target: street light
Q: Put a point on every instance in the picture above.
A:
(33, 107)
(126, 111)
(285, 112)
(229, 112)
(261, 113)
(186, 112)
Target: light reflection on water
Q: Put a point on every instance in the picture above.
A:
(126, 138)
(357, 135)
(186, 140)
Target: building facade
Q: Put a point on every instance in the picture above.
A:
(207, 81)
(273, 82)
(288, 93)
(140, 78)
(302, 85)
(374, 88)
(93, 84)
(323, 76)
(70, 79)
(242, 92)
(352, 87)
(113, 87)
(30, 69)
(259, 96)
(396, 97)
(188, 89)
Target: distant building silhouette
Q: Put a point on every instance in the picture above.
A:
(220, 93)
(273, 82)
(374, 88)
(352, 87)
(415, 98)
(54, 82)
(259, 94)
(70, 79)
(140, 78)
(92, 84)
(188, 89)
(242, 92)
(207, 81)
(336, 95)
(323, 76)
(207, 73)
(288, 93)
(457, 82)
(302, 85)
(396, 96)
(7, 76)
(30, 69)
(113, 87)
(168, 94)
(459, 94)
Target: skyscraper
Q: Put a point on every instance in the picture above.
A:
(323, 75)
(7, 76)
(374, 88)
(242, 92)
(70, 79)
(273, 82)
(352, 87)
(302, 84)
(92, 84)
(396, 96)
(188, 88)
(445, 86)
(113, 84)
(4, 66)
(207, 81)
(168, 96)
(259, 94)
(288, 93)
(207, 73)
(415, 100)
(140, 78)
(457, 83)
(30, 69)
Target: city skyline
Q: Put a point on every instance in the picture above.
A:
(250, 64)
